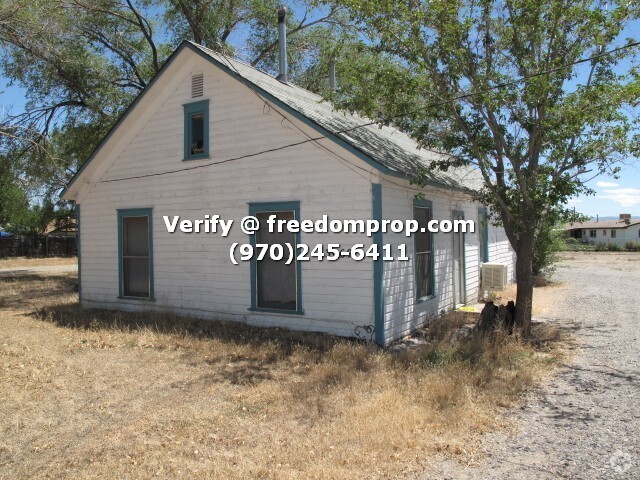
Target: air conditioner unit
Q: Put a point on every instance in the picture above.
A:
(494, 277)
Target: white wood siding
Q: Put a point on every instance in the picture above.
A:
(193, 273)
(403, 313)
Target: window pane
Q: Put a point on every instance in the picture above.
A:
(135, 277)
(135, 257)
(135, 240)
(422, 240)
(197, 133)
(423, 255)
(276, 280)
(423, 275)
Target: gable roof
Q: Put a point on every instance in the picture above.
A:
(386, 148)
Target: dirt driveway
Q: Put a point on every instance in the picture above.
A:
(585, 423)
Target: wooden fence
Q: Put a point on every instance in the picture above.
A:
(38, 246)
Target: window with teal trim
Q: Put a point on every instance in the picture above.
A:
(196, 130)
(483, 235)
(275, 285)
(423, 251)
(135, 253)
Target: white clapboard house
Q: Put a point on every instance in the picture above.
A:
(214, 136)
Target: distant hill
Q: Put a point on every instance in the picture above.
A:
(610, 217)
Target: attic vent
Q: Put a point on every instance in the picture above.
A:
(197, 85)
(494, 277)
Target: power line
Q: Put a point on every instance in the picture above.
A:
(374, 122)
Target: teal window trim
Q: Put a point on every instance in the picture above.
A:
(191, 109)
(463, 254)
(378, 268)
(424, 204)
(483, 219)
(261, 207)
(127, 213)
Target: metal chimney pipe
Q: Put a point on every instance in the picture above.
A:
(282, 42)
(332, 74)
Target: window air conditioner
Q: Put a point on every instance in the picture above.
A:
(494, 277)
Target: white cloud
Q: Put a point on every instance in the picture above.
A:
(607, 184)
(572, 201)
(625, 197)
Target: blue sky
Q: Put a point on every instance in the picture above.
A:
(613, 196)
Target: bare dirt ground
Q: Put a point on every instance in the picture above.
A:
(105, 394)
(585, 422)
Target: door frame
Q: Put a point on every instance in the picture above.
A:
(459, 298)
(284, 206)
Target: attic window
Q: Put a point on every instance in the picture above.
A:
(197, 134)
(196, 130)
(197, 85)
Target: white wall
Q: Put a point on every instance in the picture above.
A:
(193, 273)
(631, 234)
(603, 235)
(500, 251)
(403, 313)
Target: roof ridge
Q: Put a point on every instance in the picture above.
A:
(321, 100)
(342, 111)
(228, 58)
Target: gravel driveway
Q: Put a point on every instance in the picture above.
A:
(585, 423)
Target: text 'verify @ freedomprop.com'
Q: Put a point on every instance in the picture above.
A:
(290, 251)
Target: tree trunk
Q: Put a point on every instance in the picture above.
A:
(524, 279)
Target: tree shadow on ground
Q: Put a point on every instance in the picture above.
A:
(281, 341)
(32, 290)
(249, 355)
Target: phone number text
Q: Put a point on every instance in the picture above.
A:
(301, 252)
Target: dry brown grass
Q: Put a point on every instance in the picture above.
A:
(105, 394)
(18, 262)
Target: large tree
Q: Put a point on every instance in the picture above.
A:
(503, 87)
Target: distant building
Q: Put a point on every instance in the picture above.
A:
(619, 231)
